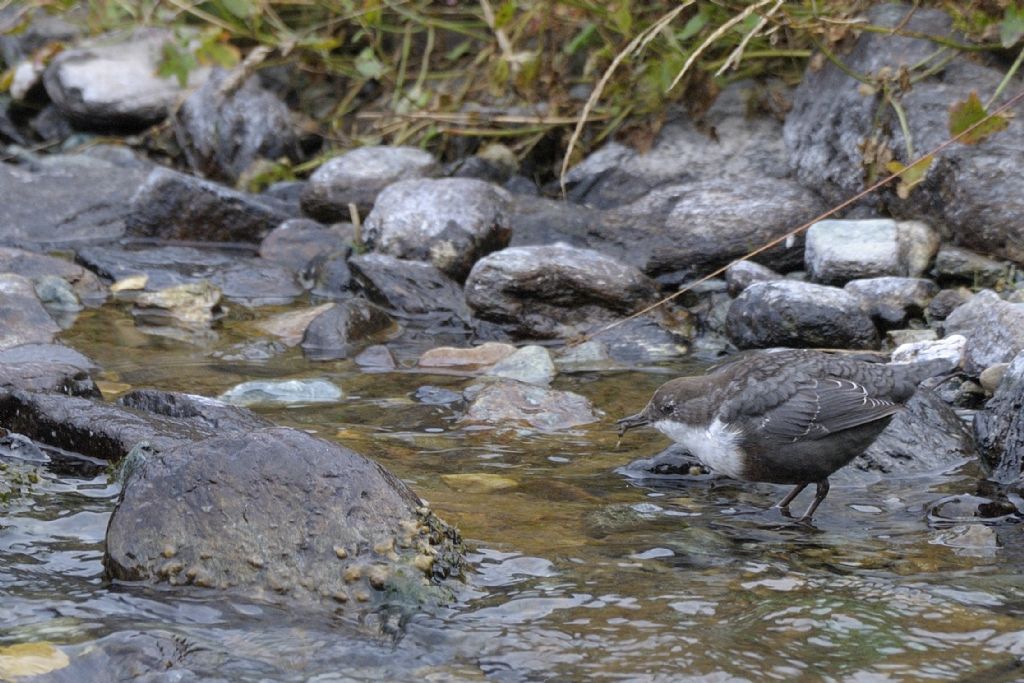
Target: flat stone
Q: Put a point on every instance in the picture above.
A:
(449, 222)
(958, 265)
(840, 250)
(409, 288)
(994, 330)
(65, 201)
(377, 357)
(23, 319)
(485, 355)
(799, 314)
(530, 364)
(290, 326)
(113, 83)
(191, 304)
(358, 176)
(175, 206)
(36, 267)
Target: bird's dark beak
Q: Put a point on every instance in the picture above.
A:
(631, 422)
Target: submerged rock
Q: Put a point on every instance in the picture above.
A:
(192, 305)
(485, 355)
(450, 222)
(554, 291)
(344, 328)
(530, 364)
(799, 314)
(287, 392)
(223, 512)
(358, 176)
(508, 404)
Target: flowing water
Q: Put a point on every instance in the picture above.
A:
(580, 572)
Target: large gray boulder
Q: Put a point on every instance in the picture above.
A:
(554, 291)
(275, 511)
(224, 132)
(965, 190)
(65, 201)
(994, 330)
(114, 83)
(999, 428)
(893, 301)
(450, 222)
(23, 320)
(358, 176)
(799, 314)
(409, 288)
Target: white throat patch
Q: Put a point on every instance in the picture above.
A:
(716, 446)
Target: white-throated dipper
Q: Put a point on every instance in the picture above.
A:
(788, 416)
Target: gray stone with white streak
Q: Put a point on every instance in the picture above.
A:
(994, 330)
(840, 250)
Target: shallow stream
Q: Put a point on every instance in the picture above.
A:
(581, 573)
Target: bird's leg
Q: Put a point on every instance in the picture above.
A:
(784, 503)
(819, 495)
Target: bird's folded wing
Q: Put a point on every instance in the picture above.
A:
(820, 407)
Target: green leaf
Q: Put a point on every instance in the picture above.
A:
(1011, 28)
(505, 13)
(221, 54)
(368, 65)
(963, 115)
(693, 26)
(175, 62)
(581, 39)
(622, 17)
(243, 9)
(910, 176)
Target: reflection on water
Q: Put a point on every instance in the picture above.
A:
(581, 573)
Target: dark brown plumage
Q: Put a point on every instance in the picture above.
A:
(789, 416)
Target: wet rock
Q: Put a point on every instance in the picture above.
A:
(45, 375)
(927, 437)
(255, 351)
(188, 499)
(742, 274)
(59, 299)
(946, 301)
(114, 83)
(65, 201)
(282, 392)
(344, 328)
(508, 404)
(217, 416)
(840, 250)
(377, 357)
(297, 242)
(93, 428)
(999, 428)
(673, 463)
(893, 301)
(958, 265)
(331, 275)
(530, 364)
(970, 509)
(799, 314)
(249, 281)
(964, 190)
(46, 353)
(358, 176)
(744, 146)
(479, 482)
(656, 336)
(592, 355)
(485, 355)
(291, 326)
(193, 304)
(969, 540)
(409, 288)
(175, 206)
(436, 396)
(224, 127)
(23, 320)
(450, 222)
(993, 327)
(554, 291)
(36, 267)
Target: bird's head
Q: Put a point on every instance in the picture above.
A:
(683, 399)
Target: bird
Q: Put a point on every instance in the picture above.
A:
(784, 416)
